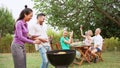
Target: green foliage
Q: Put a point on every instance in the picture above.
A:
(56, 35)
(109, 29)
(73, 13)
(108, 26)
(6, 21)
(5, 43)
(112, 43)
(30, 48)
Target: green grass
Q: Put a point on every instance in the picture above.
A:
(111, 60)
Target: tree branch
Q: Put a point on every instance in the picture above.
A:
(106, 14)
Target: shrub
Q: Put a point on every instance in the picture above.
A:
(30, 48)
(5, 43)
(56, 35)
(112, 43)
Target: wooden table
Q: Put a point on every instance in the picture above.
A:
(83, 49)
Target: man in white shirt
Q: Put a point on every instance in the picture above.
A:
(39, 30)
(98, 42)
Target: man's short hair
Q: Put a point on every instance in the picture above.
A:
(40, 14)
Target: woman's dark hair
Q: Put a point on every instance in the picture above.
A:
(26, 11)
(40, 14)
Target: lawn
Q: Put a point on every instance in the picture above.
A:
(111, 60)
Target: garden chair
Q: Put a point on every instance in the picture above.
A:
(100, 54)
(56, 45)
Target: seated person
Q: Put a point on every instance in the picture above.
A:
(98, 42)
(87, 36)
(65, 41)
(88, 39)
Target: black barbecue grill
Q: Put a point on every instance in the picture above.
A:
(61, 60)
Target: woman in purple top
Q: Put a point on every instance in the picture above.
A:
(21, 37)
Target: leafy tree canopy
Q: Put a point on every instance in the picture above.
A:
(92, 14)
(6, 21)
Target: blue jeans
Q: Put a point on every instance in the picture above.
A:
(43, 54)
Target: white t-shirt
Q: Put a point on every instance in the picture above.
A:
(37, 29)
(98, 40)
(88, 41)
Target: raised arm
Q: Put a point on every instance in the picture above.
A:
(82, 32)
(70, 39)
